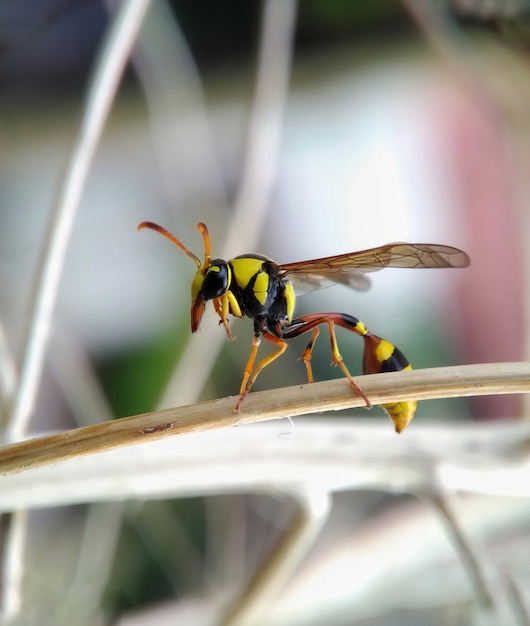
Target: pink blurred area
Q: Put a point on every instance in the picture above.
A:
(474, 141)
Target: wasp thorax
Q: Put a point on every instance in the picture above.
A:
(216, 280)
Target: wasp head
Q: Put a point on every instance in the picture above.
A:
(207, 285)
(212, 278)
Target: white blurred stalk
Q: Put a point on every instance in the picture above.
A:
(8, 375)
(15, 527)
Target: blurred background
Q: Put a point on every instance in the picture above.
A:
(294, 130)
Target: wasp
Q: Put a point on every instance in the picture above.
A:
(254, 286)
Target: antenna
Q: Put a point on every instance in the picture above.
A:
(205, 236)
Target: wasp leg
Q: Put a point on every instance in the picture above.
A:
(282, 347)
(306, 354)
(312, 320)
(243, 390)
(379, 356)
(221, 308)
(249, 380)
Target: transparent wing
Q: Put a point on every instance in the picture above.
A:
(304, 282)
(349, 269)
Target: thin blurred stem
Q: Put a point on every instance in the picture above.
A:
(168, 542)
(313, 508)
(77, 378)
(266, 119)
(14, 525)
(520, 609)
(114, 54)
(448, 41)
(176, 102)
(439, 30)
(259, 170)
(226, 540)
(95, 560)
(519, 138)
(8, 376)
(472, 560)
(13, 553)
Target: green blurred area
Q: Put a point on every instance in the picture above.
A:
(134, 379)
(158, 555)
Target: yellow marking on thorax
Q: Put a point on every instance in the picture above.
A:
(244, 270)
(261, 287)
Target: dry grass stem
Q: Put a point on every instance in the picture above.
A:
(446, 382)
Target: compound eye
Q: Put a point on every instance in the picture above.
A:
(216, 281)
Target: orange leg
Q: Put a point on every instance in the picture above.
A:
(218, 306)
(256, 340)
(306, 354)
(249, 378)
(225, 305)
(313, 320)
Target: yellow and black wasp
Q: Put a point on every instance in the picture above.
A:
(254, 286)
